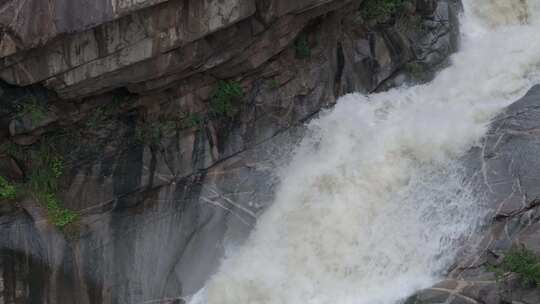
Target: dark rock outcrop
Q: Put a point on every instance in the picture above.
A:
(159, 178)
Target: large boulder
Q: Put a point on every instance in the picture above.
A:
(504, 171)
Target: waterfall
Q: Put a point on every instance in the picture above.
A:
(373, 205)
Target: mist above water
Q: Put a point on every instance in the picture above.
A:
(373, 205)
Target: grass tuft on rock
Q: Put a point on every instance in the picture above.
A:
(523, 262)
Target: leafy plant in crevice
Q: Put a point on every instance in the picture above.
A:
(381, 9)
(153, 132)
(108, 110)
(273, 84)
(193, 120)
(523, 262)
(224, 103)
(12, 149)
(42, 177)
(116, 102)
(59, 215)
(46, 166)
(42, 183)
(8, 191)
(302, 47)
(33, 110)
(96, 118)
(225, 98)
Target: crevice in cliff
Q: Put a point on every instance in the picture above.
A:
(340, 65)
(532, 205)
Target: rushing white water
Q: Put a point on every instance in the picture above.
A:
(373, 206)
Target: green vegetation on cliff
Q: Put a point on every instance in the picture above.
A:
(302, 47)
(48, 167)
(33, 110)
(522, 261)
(224, 103)
(381, 9)
(58, 215)
(225, 97)
(42, 180)
(152, 132)
(7, 190)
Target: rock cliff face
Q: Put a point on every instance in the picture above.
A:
(159, 123)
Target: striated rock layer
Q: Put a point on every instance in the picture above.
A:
(124, 92)
(149, 44)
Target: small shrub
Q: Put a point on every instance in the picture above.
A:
(95, 119)
(58, 215)
(153, 132)
(381, 9)
(115, 104)
(167, 127)
(47, 168)
(12, 149)
(7, 190)
(43, 185)
(273, 84)
(193, 120)
(225, 97)
(42, 181)
(523, 262)
(105, 111)
(301, 45)
(33, 110)
(147, 133)
(57, 166)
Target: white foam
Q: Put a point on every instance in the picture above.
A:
(373, 206)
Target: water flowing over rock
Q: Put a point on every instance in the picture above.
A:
(121, 95)
(202, 151)
(379, 200)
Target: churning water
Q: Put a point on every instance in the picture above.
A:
(373, 205)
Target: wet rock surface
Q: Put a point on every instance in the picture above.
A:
(161, 179)
(505, 175)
